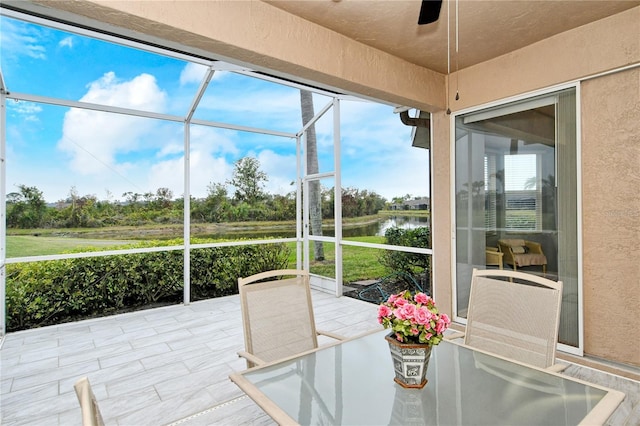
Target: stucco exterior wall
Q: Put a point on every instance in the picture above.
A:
(441, 212)
(611, 215)
(610, 143)
(604, 45)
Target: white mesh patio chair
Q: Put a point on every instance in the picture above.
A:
(88, 404)
(514, 315)
(277, 316)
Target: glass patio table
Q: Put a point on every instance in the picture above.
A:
(352, 383)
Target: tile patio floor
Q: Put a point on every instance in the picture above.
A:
(162, 366)
(149, 367)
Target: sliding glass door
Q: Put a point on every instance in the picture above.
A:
(516, 186)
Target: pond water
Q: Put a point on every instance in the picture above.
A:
(403, 222)
(371, 229)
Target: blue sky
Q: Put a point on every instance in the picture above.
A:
(56, 148)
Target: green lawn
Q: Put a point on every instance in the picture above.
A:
(29, 245)
(358, 262)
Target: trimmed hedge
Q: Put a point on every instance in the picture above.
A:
(57, 291)
(409, 263)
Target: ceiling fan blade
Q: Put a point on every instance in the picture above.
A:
(429, 11)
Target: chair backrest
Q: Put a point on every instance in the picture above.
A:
(88, 404)
(516, 320)
(277, 314)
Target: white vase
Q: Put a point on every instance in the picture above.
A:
(410, 362)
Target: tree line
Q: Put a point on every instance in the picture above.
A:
(241, 198)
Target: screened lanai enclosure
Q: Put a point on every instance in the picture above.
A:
(91, 120)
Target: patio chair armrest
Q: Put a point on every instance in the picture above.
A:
(454, 335)
(534, 247)
(251, 358)
(557, 368)
(330, 334)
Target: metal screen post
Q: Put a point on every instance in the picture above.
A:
(338, 196)
(3, 207)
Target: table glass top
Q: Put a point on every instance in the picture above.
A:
(353, 384)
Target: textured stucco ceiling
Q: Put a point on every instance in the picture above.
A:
(486, 28)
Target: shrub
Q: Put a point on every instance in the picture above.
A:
(56, 291)
(215, 270)
(413, 264)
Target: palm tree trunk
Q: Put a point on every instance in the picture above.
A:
(315, 201)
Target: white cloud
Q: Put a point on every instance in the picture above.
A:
(391, 167)
(141, 92)
(263, 103)
(205, 169)
(208, 160)
(376, 151)
(192, 73)
(175, 147)
(66, 42)
(19, 39)
(25, 107)
(28, 111)
(137, 154)
(281, 170)
(214, 141)
(123, 153)
(406, 172)
(95, 139)
(243, 102)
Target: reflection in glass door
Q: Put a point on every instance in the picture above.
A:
(516, 189)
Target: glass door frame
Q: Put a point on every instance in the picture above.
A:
(575, 350)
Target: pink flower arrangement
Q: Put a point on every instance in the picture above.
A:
(413, 318)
